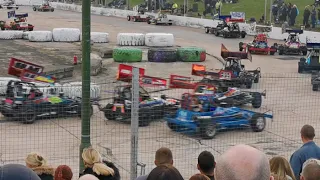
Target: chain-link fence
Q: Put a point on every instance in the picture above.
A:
(185, 128)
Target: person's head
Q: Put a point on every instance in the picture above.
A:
(34, 160)
(17, 171)
(163, 156)
(311, 171)
(63, 172)
(92, 159)
(88, 177)
(243, 162)
(307, 133)
(206, 163)
(165, 172)
(199, 177)
(280, 167)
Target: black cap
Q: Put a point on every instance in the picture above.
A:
(17, 172)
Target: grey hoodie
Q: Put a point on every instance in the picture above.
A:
(17, 172)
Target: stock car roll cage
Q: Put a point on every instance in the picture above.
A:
(259, 45)
(292, 38)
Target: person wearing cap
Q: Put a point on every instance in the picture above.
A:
(94, 165)
(38, 164)
(17, 172)
(308, 150)
(63, 172)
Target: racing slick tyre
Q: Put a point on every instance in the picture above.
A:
(134, 19)
(243, 34)
(304, 53)
(130, 39)
(315, 87)
(125, 54)
(257, 79)
(240, 46)
(128, 18)
(66, 34)
(29, 116)
(257, 100)
(216, 33)
(162, 55)
(301, 65)
(249, 84)
(191, 54)
(208, 130)
(159, 39)
(272, 52)
(108, 113)
(52, 10)
(281, 50)
(258, 123)
(34, 9)
(40, 36)
(206, 30)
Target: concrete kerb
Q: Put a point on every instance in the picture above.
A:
(276, 32)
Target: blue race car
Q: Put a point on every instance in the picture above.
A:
(207, 119)
(312, 61)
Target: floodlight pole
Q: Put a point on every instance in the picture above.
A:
(86, 106)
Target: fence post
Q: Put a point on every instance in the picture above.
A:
(86, 105)
(134, 123)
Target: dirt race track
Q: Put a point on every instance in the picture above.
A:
(289, 96)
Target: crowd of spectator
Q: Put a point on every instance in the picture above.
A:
(240, 162)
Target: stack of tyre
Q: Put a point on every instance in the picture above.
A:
(160, 49)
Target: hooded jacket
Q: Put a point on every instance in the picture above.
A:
(44, 172)
(17, 171)
(102, 177)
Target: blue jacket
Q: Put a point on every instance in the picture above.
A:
(307, 151)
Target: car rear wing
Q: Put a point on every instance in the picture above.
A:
(225, 53)
(125, 74)
(21, 15)
(181, 82)
(16, 66)
(29, 76)
(295, 31)
(200, 70)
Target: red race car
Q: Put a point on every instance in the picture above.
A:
(20, 26)
(258, 46)
(139, 18)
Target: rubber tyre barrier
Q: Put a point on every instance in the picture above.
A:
(130, 39)
(66, 34)
(191, 54)
(125, 54)
(74, 89)
(40, 36)
(162, 55)
(25, 35)
(11, 34)
(159, 40)
(98, 37)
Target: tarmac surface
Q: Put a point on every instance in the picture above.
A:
(289, 97)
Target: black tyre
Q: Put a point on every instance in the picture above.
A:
(300, 69)
(30, 29)
(258, 123)
(108, 113)
(52, 10)
(7, 114)
(170, 24)
(257, 100)
(134, 19)
(225, 35)
(272, 52)
(149, 22)
(216, 33)
(249, 84)
(257, 79)
(2, 28)
(208, 130)
(206, 30)
(173, 127)
(304, 52)
(144, 119)
(34, 9)
(240, 46)
(281, 51)
(315, 87)
(29, 116)
(128, 18)
(243, 34)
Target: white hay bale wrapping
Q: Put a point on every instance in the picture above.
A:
(159, 39)
(99, 37)
(11, 34)
(74, 89)
(130, 39)
(66, 34)
(40, 36)
(25, 35)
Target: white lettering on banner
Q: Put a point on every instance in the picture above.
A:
(125, 71)
(237, 15)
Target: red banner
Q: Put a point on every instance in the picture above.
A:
(182, 82)
(16, 66)
(153, 81)
(125, 72)
(30, 76)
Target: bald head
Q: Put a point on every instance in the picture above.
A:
(88, 177)
(243, 162)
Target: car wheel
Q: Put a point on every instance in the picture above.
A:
(149, 22)
(249, 84)
(29, 116)
(216, 33)
(173, 127)
(52, 10)
(108, 113)
(315, 87)
(208, 130)
(281, 51)
(256, 80)
(34, 9)
(206, 30)
(243, 35)
(134, 19)
(304, 52)
(300, 69)
(257, 100)
(258, 123)
(144, 119)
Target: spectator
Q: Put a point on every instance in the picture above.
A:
(218, 7)
(280, 168)
(17, 171)
(283, 13)
(94, 165)
(165, 172)
(199, 177)
(163, 157)
(88, 177)
(243, 162)
(311, 171)
(206, 164)
(306, 16)
(313, 16)
(307, 151)
(39, 165)
(293, 15)
(63, 172)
